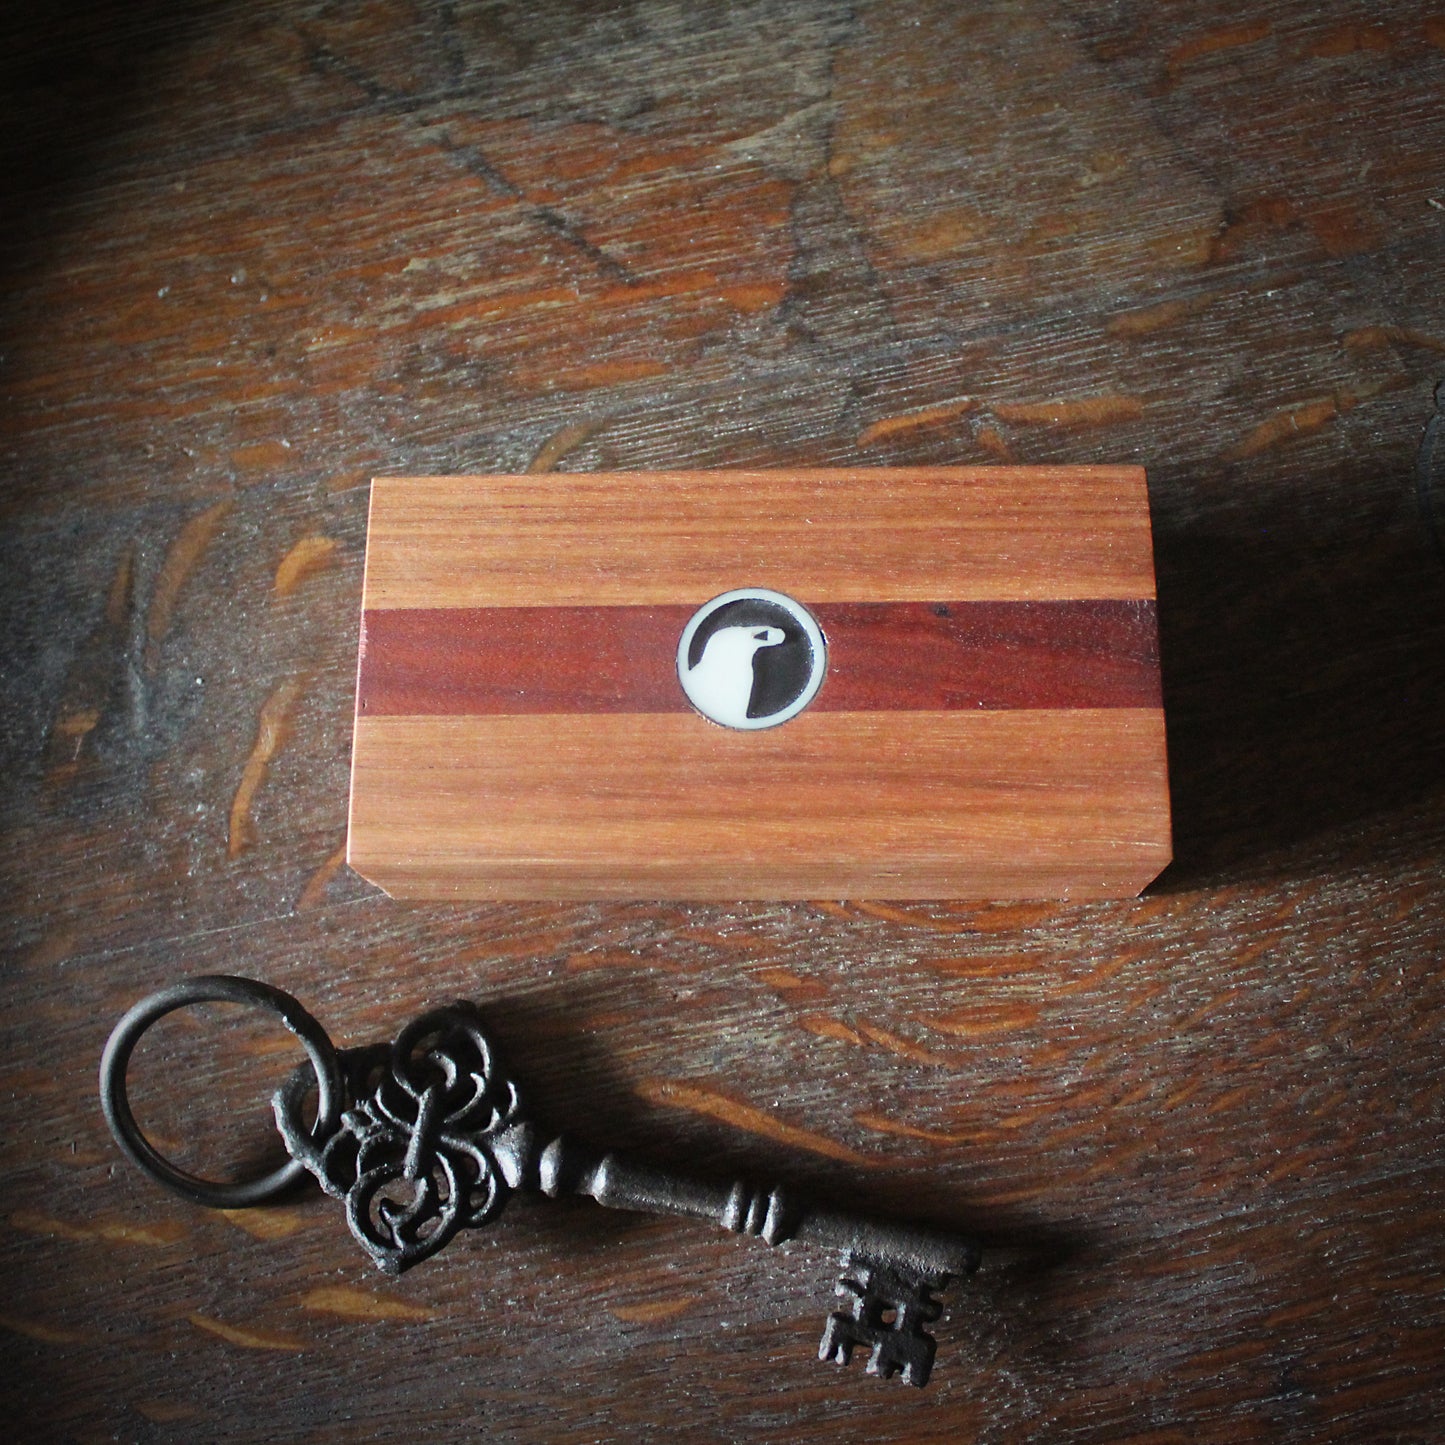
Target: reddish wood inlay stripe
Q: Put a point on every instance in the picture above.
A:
(882, 657)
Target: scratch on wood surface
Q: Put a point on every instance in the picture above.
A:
(895, 1043)
(112, 1231)
(29, 1221)
(602, 1021)
(180, 561)
(99, 674)
(1063, 1138)
(272, 730)
(987, 965)
(587, 959)
(265, 1223)
(355, 477)
(120, 596)
(830, 1028)
(892, 914)
(1018, 1120)
(164, 1412)
(1182, 1095)
(1351, 40)
(588, 378)
(310, 554)
(1343, 230)
(534, 941)
(728, 938)
(1388, 982)
(704, 286)
(320, 880)
(1151, 319)
(882, 1124)
(699, 1100)
(564, 442)
(790, 983)
(1024, 1194)
(863, 1033)
(76, 1157)
(833, 909)
(331, 337)
(1213, 1007)
(261, 456)
(1102, 973)
(1194, 247)
(962, 918)
(1119, 1160)
(77, 724)
(1371, 338)
(71, 730)
(115, 1231)
(1287, 425)
(892, 426)
(267, 1046)
(992, 440)
(980, 1023)
(1246, 223)
(945, 233)
(361, 1304)
(30, 1081)
(1307, 1159)
(248, 1339)
(1163, 1435)
(752, 297)
(1212, 42)
(1230, 1098)
(1087, 411)
(35, 1330)
(654, 1311)
(1289, 1314)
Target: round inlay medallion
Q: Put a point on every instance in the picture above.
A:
(751, 658)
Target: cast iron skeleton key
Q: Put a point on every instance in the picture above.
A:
(428, 1135)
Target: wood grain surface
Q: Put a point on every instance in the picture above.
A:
(1026, 803)
(255, 254)
(882, 657)
(827, 535)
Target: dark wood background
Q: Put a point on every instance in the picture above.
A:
(254, 253)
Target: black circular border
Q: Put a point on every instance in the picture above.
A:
(798, 615)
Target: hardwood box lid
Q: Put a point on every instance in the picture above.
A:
(987, 720)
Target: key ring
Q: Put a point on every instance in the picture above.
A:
(216, 988)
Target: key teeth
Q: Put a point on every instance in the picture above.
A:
(908, 1355)
(897, 1346)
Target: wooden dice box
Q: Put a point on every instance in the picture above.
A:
(988, 725)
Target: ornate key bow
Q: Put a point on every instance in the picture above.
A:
(433, 1141)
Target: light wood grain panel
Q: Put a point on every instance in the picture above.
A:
(883, 804)
(1003, 533)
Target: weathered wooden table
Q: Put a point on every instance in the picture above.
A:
(257, 253)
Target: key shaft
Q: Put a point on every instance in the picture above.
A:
(770, 1213)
